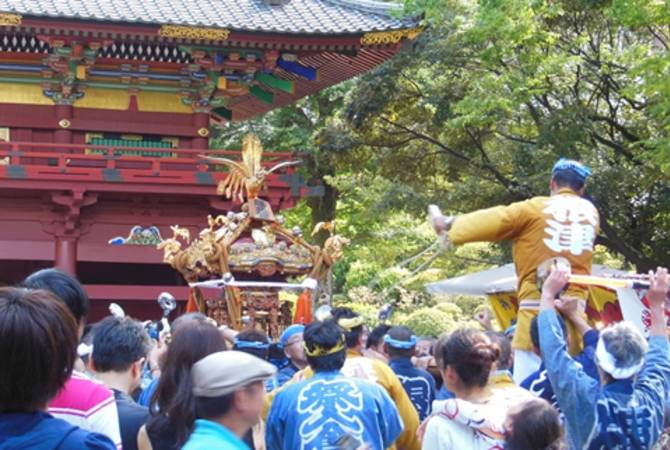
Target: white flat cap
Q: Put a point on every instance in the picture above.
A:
(221, 373)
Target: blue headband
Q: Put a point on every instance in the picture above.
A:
(290, 332)
(569, 164)
(404, 345)
(251, 344)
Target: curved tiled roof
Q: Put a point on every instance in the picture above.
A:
(291, 17)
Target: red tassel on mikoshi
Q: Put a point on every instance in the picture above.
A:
(303, 308)
(192, 303)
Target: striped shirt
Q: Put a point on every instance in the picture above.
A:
(89, 405)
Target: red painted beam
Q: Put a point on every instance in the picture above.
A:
(116, 292)
(103, 252)
(27, 250)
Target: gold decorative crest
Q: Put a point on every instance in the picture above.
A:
(7, 19)
(246, 177)
(184, 32)
(390, 37)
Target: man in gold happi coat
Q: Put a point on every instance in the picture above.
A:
(561, 225)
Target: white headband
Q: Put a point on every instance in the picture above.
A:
(84, 349)
(607, 362)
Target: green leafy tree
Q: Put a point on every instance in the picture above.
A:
(495, 91)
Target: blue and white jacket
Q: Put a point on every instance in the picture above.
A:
(418, 383)
(538, 382)
(624, 414)
(316, 413)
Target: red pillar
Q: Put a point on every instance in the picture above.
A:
(201, 121)
(65, 257)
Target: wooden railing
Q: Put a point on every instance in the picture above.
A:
(85, 162)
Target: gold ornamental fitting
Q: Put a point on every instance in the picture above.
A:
(204, 132)
(7, 19)
(64, 123)
(184, 32)
(390, 37)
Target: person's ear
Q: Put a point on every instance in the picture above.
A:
(240, 400)
(451, 375)
(136, 368)
(91, 363)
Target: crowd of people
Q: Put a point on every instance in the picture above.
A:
(330, 384)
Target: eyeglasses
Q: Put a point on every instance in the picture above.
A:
(294, 341)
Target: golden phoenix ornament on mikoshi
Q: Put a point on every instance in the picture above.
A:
(248, 176)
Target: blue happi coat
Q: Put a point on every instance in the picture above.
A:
(538, 382)
(418, 383)
(313, 414)
(624, 414)
(41, 431)
(285, 374)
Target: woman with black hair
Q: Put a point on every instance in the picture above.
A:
(169, 428)
(475, 418)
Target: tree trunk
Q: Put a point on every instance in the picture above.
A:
(323, 210)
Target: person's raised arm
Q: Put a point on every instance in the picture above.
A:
(575, 391)
(486, 225)
(552, 286)
(656, 368)
(657, 294)
(569, 307)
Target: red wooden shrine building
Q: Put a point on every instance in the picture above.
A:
(105, 106)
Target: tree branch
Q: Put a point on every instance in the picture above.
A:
(625, 132)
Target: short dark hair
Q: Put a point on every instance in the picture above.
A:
(400, 334)
(253, 335)
(376, 336)
(325, 335)
(65, 287)
(505, 347)
(568, 178)
(535, 427)
(38, 340)
(214, 407)
(535, 330)
(118, 343)
(471, 354)
(352, 336)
